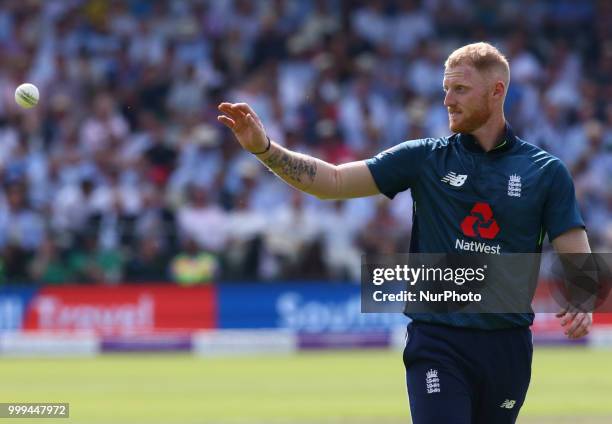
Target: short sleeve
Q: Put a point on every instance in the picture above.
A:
(561, 212)
(397, 169)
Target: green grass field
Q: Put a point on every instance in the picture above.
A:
(571, 385)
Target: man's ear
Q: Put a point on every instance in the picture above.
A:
(499, 89)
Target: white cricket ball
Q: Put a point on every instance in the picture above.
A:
(26, 95)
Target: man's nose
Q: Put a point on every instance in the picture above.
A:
(449, 99)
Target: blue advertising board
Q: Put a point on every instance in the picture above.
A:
(309, 307)
(14, 302)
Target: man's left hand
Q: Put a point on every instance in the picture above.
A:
(575, 324)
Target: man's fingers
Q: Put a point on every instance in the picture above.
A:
(239, 112)
(567, 318)
(581, 331)
(576, 323)
(581, 326)
(225, 107)
(585, 328)
(227, 121)
(231, 111)
(246, 109)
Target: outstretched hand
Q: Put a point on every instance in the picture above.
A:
(245, 124)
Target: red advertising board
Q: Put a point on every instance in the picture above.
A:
(122, 309)
(603, 319)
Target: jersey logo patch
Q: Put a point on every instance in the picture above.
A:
(480, 221)
(432, 381)
(508, 404)
(514, 185)
(456, 180)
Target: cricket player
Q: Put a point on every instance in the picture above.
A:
(460, 368)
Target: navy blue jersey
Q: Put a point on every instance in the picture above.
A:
(469, 200)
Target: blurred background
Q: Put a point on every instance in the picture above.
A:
(131, 221)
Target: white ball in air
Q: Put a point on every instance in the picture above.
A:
(26, 95)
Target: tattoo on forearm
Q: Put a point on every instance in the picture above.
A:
(297, 168)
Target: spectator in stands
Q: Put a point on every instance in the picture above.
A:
(105, 125)
(193, 265)
(203, 221)
(304, 226)
(380, 234)
(74, 206)
(339, 232)
(92, 264)
(21, 231)
(157, 219)
(49, 265)
(150, 262)
(245, 242)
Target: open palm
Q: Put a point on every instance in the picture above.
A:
(245, 124)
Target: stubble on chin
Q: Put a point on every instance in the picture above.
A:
(455, 128)
(458, 127)
(471, 122)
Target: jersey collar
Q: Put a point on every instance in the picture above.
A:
(504, 143)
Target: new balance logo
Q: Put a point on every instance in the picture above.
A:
(432, 382)
(507, 404)
(456, 180)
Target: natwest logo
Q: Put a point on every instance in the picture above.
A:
(480, 222)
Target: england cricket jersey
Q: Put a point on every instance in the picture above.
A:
(468, 200)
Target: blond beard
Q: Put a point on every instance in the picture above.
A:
(476, 120)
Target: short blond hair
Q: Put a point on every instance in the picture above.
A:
(482, 56)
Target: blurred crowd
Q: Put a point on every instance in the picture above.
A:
(122, 173)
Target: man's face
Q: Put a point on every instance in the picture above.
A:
(467, 98)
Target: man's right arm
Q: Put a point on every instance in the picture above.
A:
(319, 178)
(306, 173)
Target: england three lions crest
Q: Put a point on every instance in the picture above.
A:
(432, 382)
(514, 185)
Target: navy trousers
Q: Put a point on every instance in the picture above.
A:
(466, 376)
